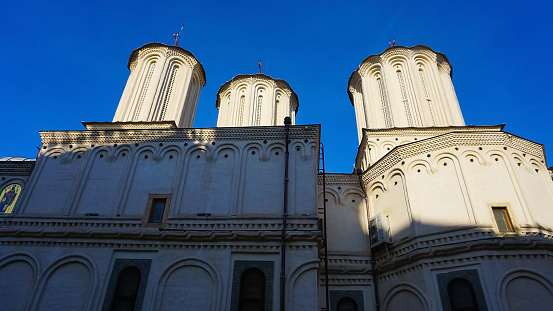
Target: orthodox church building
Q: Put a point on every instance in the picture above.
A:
(148, 213)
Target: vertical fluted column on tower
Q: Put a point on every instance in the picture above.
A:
(164, 85)
(255, 100)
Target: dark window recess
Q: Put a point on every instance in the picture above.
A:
(156, 212)
(347, 304)
(502, 219)
(126, 290)
(252, 290)
(346, 300)
(461, 291)
(127, 284)
(461, 295)
(252, 286)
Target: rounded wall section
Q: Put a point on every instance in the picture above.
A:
(255, 100)
(404, 87)
(164, 85)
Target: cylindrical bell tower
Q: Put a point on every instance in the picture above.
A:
(404, 87)
(164, 85)
(255, 100)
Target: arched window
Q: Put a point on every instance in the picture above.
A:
(144, 91)
(168, 94)
(258, 110)
(126, 290)
(241, 110)
(252, 290)
(347, 304)
(461, 295)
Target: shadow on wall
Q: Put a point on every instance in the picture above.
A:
(190, 164)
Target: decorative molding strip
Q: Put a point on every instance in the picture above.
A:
(150, 245)
(348, 280)
(16, 168)
(310, 132)
(111, 126)
(189, 224)
(451, 140)
(339, 180)
(439, 262)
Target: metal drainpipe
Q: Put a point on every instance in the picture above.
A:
(325, 233)
(373, 261)
(287, 122)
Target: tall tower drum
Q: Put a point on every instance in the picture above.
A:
(164, 85)
(404, 87)
(255, 100)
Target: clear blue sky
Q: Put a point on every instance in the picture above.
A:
(65, 61)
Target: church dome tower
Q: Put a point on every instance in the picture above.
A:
(164, 85)
(404, 87)
(255, 100)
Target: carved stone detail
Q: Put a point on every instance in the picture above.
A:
(451, 140)
(310, 132)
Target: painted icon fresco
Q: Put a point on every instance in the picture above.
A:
(8, 197)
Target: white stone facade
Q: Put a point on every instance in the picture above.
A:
(404, 87)
(255, 100)
(190, 213)
(164, 85)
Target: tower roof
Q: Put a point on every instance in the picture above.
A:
(261, 76)
(135, 53)
(377, 57)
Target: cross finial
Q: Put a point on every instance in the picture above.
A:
(177, 36)
(261, 67)
(392, 43)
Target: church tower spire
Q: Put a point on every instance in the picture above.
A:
(255, 100)
(404, 87)
(164, 85)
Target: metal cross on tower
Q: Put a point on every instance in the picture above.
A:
(177, 35)
(261, 67)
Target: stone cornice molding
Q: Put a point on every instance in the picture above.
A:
(348, 265)
(448, 140)
(459, 241)
(338, 279)
(111, 126)
(191, 229)
(16, 168)
(210, 223)
(50, 138)
(234, 245)
(421, 132)
(339, 179)
(475, 251)
(167, 51)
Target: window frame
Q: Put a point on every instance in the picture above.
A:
(506, 208)
(241, 266)
(119, 265)
(150, 209)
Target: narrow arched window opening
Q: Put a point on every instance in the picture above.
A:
(126, 290)
(347, 304)
(404, 97)
(144, 91)
(241, 110)
(258, 110)
(168, 94)
(252, 290)
(461, 295)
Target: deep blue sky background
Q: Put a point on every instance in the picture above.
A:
(64, 62)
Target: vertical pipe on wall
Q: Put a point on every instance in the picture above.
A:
(325, 235)
(287, 122)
